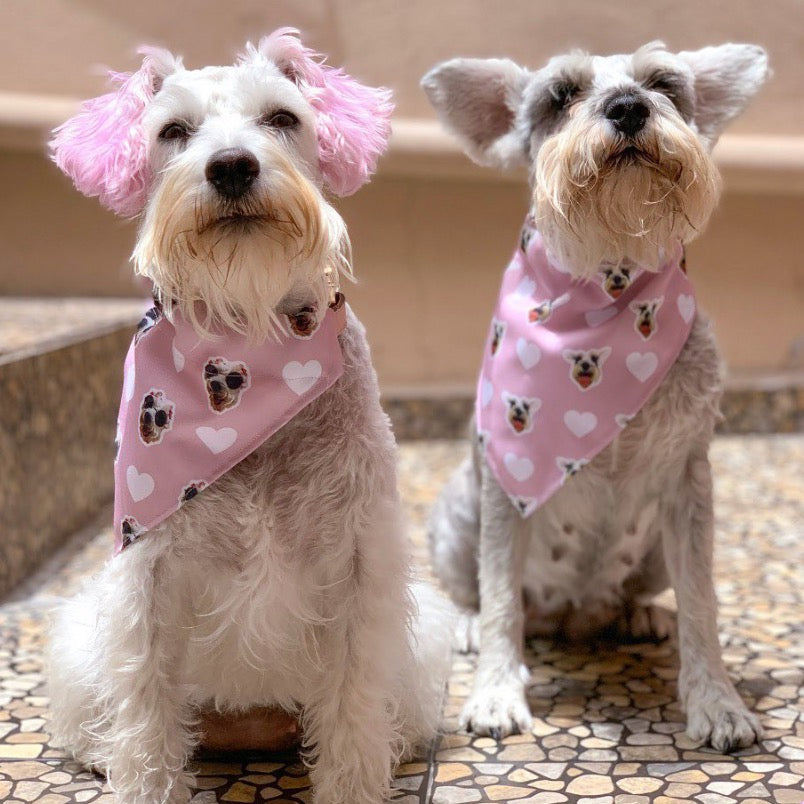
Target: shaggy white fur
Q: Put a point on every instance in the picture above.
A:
(287, 582)
(639, 516)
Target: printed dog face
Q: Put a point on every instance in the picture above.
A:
(524, 504)
(645, 317)
(304, 323)
(618, 147)
(520, 411)
(156, 417)
(586, 367)
(616, 280)
(542, 311)
(225, 382)
(131, 530)
(570, 467)
(147, 322)
(497, 334)
(191, 490)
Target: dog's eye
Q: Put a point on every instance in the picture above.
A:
(281, 119)
(663, 82)
(563, 94)
(175, 131)
(210, 370)
(233, 381)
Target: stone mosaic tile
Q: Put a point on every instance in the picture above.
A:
(607, 727)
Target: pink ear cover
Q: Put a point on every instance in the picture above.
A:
(103, 149)
(352, 120)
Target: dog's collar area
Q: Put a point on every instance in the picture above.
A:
(337, 305)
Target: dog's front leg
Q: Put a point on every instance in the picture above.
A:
(349, 717)
(497, 705)
(715, 712)
(145, 633)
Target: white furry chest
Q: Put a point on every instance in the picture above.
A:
(587, 542)
(253, 632)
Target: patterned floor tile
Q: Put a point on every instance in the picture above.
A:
(607, 724)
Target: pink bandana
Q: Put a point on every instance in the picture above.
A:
(570, 362)
(192, 408)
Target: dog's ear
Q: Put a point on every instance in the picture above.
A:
(570, 355)
(477, 99)
(104, 148)
(352, 120)
(726, 78)
(603, 355)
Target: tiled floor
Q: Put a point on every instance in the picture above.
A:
(607, 725)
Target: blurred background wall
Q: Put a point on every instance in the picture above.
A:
(432, 233)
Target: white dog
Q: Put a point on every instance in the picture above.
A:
(283, 580)
(610, 504)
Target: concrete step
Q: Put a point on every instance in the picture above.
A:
(61, 367)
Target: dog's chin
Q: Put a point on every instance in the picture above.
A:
(229, 266)
(602, 199)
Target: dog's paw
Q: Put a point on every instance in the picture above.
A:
(647, 623)
(467, 633)
(497, 710)
(719, 717)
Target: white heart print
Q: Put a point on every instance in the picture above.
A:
(301, 377)
(128, 385)
(528, 353)
(217, 440)
(140, 484)
(519, 468)
(526, 287)
(686, 306)
(642, 366)
(594, 318)
(178, 358)
(486, 392)
(580, 424)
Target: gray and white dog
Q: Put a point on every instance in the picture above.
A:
(618, 149)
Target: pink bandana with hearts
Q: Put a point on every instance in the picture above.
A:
(569, 362)
(192, 408)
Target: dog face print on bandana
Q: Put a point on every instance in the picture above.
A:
(192, 408)
(569, 362)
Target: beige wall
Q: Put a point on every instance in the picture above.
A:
(428, 250)
(51, 46)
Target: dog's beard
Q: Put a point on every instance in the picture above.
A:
(228, 264)
(599, 198)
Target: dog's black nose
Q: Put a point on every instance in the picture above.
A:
(232, 171)
(627, 113)
(586, 365)
(216, 386)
